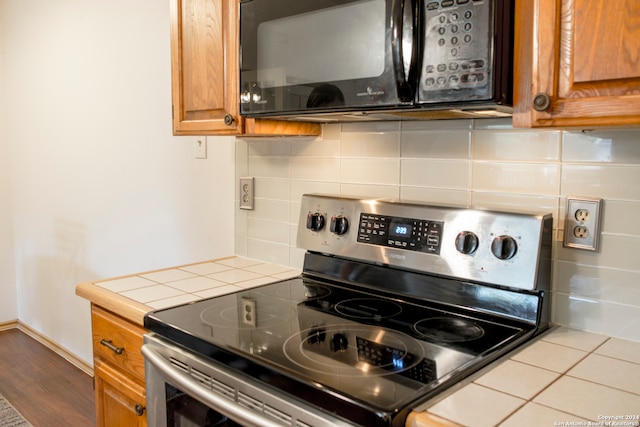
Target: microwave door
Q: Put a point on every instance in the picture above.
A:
(302, 57)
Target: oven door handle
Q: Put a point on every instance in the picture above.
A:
(194, 389)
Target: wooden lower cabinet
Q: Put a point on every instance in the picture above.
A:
(119, 400)
(118, 370)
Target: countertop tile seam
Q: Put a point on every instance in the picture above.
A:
(530, 399)
(175, 283)
(542, 390)
(542, 338)
(534, 366)
(151, 285)
(564, 372)
(568, 414)
(525, 403)
(616, 358)
(600, 384)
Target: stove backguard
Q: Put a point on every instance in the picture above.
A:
(495, 248)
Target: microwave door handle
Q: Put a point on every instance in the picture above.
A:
(403, 45)
(194, 389)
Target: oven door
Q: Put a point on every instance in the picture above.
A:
(325, 55)
(185, 390)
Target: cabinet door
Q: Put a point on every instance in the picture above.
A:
(577, 63)
(120, 401)
(204, 67)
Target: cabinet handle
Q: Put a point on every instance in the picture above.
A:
(139, 409)
(541, 102)
(110, 346)
(228, 119)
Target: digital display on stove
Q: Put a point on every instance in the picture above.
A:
(402, 233)
(400, 230)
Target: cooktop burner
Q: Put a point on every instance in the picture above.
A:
(368, 308)
(449, 329)
(353, 351)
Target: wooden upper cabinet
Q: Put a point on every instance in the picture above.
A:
(577, 63)
(204, 77)
(205, 73)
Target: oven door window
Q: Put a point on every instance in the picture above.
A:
(185, 411)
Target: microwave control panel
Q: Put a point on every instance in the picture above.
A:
(464, 43)
(401, 233)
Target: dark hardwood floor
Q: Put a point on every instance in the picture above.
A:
(45, 388)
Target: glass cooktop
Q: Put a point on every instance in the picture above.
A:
(307, 337)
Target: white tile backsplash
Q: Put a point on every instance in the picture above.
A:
(436, 144)
(482, 163)
(384, 171)
(516, 146)
(516, 178)
(435, 173)
(614, 181)
(608, 146)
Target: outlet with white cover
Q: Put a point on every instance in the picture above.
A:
(582, 223)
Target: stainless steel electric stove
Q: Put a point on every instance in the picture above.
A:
(396, 302)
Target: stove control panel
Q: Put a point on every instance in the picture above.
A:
(403, 233)
(500, 248)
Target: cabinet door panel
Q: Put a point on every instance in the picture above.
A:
(201, 35)
(584, 56)
(607, 40)
(204, 55)
(119, 400)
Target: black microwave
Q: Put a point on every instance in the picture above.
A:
(370, 58)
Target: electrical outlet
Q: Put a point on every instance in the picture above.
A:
(249, 315)
(582, 223)
(246, 193)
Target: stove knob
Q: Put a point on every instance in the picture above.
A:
(339, 225)
(466, 242)
(504, 247)
(339, 342)
(315, 221)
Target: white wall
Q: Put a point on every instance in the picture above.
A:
(99, 187)
(8, 295)
(481, 163)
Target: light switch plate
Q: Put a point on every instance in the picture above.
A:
(201, 148)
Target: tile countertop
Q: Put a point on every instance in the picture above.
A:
(565, 377)
(133, 296)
